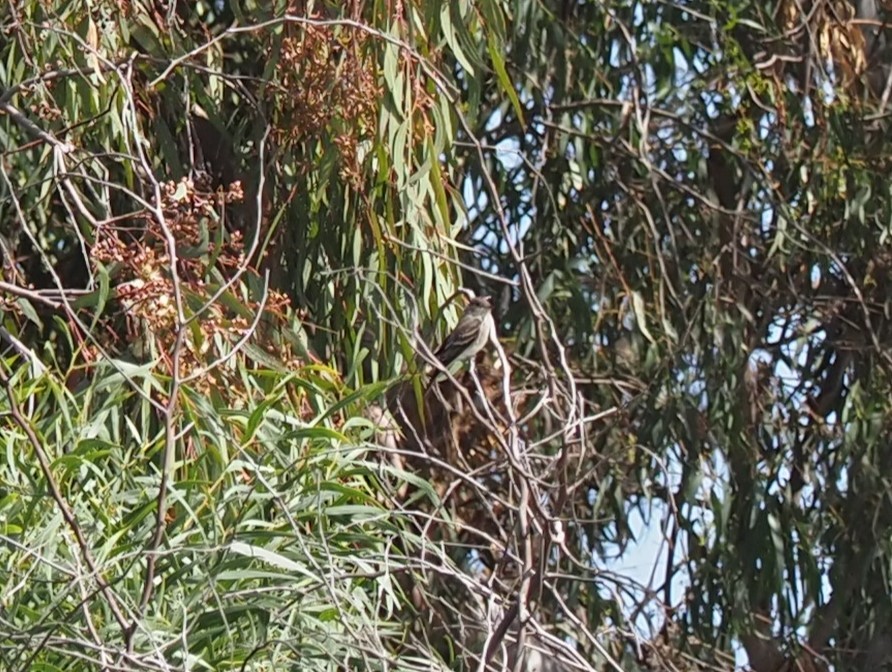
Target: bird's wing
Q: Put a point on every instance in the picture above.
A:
(446, 345)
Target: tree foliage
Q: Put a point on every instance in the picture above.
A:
(232, 232)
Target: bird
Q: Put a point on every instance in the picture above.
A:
(473, 330)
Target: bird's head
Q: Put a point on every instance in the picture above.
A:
(480, 303)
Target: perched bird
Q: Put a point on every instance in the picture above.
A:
(470, 334)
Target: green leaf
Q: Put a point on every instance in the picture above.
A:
(28, 311)
(498, 63)
(269, 557)
(450, 32)
(641, 316)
